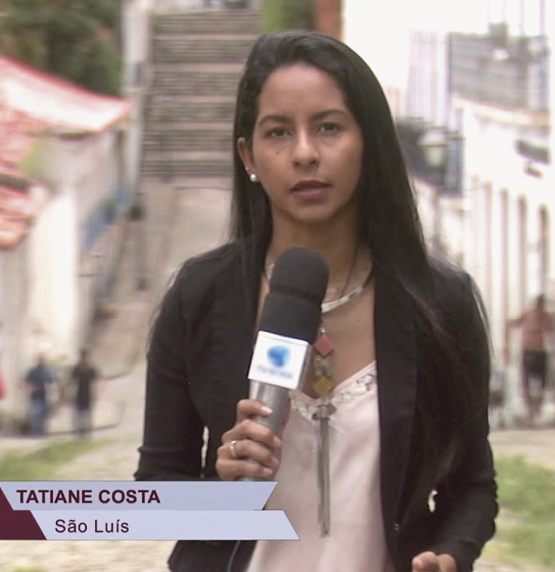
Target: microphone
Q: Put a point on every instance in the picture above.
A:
(289, 324)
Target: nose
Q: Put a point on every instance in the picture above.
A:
(305, 151)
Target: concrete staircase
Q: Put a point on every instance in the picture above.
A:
(197, 60)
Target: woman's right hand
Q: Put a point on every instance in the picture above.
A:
(249, 449)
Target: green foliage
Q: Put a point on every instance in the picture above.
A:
(30, 164)
(73, 39)
(279, 15)
(527, 498)
(41, 464)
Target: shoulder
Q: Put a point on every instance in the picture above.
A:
(206, 267)
(187, 310)
(199, 274)
(452, 284)
(463, 317)
(450, 276)
(201, 280)
(457, 296)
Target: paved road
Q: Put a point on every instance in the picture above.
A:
(197, 226)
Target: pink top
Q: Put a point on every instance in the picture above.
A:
(357, 540)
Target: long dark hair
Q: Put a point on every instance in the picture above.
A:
(388, 223)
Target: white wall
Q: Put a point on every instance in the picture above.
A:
(494, 167)
(52, 271)
(16, 353)
(67, 275)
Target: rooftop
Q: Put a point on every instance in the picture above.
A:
(32, 103)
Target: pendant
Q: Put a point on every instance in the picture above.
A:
(322, 363)
(323, 385)
(323, 345)
(324, 484)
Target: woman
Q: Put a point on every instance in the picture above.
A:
(401, 365)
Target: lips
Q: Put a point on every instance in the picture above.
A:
(309, 185)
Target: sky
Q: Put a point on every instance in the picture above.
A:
(372, 26)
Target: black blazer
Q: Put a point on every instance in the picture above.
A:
(198, 359)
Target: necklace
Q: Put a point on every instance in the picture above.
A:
(329, 306)
(343, 298)
(323, 346)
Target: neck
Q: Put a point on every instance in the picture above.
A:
(346, 257)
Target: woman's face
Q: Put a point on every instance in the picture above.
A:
(306, 148)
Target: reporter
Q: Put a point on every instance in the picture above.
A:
(401, 367)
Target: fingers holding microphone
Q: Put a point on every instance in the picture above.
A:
(249, 449)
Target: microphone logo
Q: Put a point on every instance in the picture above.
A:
(279, 356)
(278, 360)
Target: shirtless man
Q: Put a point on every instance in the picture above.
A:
(536, 324)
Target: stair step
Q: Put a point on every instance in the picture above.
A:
(209, 21)
(202, 156)
(183, 124)
(179, 81)
(203, 109)
(167, 49)
(188, 163)
(210, 139)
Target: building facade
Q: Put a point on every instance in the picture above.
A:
(482, 71)
(63, 173)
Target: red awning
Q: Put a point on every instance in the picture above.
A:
(30, 103)
(16, 141)
(56, 103)
(18, 211)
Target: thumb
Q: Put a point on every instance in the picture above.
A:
(425, 562)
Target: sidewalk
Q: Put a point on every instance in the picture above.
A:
(535, 446)
(116, 342)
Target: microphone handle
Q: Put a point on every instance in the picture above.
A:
(277, 398)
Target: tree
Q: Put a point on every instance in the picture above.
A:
(73, 39)
(281, 15)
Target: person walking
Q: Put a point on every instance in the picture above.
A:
(83, 378)
(40, 380)
(536, 326)
(393, 409)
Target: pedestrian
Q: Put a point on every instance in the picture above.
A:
(40, 380)
(83, 378)
(536, 325)
(497, 394)
(317, 164)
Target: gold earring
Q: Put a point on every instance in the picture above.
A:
(253, 177)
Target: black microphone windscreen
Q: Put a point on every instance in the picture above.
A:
(297, 287)
(301, 272)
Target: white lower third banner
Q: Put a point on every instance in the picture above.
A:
(117, 510)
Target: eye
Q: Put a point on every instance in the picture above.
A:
(277, 132)
(329, 127)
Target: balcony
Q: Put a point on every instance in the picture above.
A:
(499, 70)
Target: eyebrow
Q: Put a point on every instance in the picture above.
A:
(284, 119)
